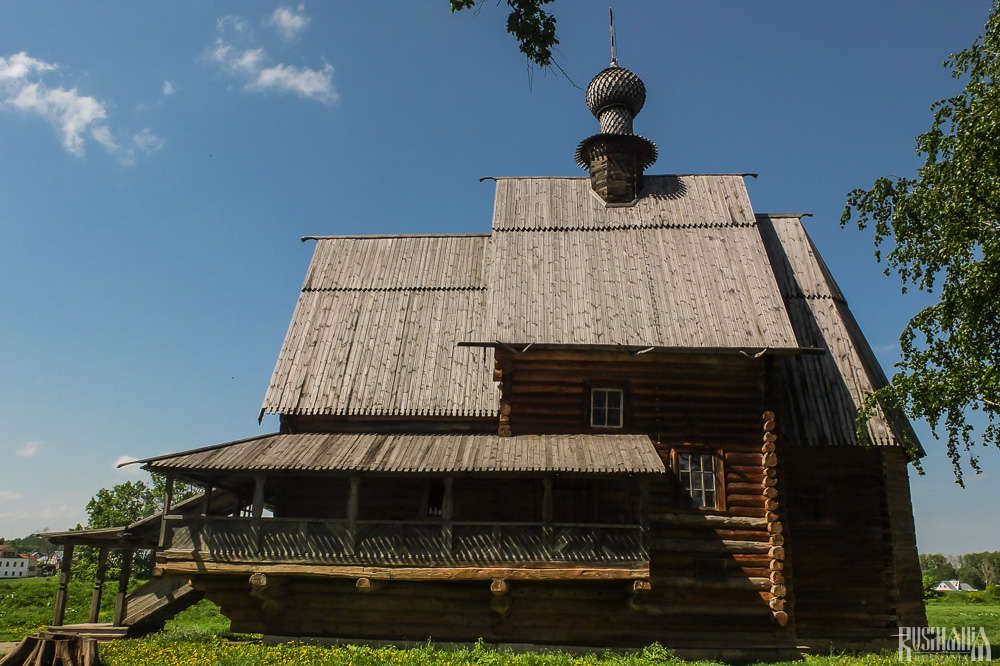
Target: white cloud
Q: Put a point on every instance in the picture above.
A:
(129, 471)
(250, 62)
(147, 142)
(8, 496)
(168, 89)
(289, 23)
(305, 82)
(235, 23)
(30, 449)
(74, 116)
(67, 110)
(20, 65)
(316, 84)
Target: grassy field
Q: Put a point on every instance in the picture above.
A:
(200, 636)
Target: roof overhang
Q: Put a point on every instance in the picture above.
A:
(402, 453)
(635, 350)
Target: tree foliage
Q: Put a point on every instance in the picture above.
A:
(534, 28)
(120, 506)
(941, 230)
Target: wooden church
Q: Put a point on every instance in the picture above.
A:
(625, 415)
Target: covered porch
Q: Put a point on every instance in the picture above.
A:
(365, 499)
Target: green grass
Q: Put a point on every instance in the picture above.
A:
(953, 611)
(27, 604)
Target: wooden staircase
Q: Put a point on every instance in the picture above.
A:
(156, 601)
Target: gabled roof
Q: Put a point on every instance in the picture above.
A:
(376, 331)
(682, 267)
(376, 328)
(398, 453)
(383, 323)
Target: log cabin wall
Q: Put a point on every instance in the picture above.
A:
(909, 587)
(852, 543)
(588, 613)
(709, 568)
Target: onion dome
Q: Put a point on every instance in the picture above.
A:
(616, 86)
(616, 158)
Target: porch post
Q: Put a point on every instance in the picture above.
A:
(95, 598)
(206, 501)
(121, 599)
(446, 517)
(168, 496)
(257, 508)
(547, 513)
(352, 514)
(64, 570)
(644, 501)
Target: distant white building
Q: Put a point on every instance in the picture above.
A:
(954, 586)
(15, 565)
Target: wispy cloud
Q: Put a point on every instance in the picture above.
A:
(75, 116)
(148, 142)
(128, 471)
(253, 65)
(289, 23)
(30, 450)
(8, 496)
(168, 89)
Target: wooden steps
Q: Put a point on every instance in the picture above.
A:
(158, 600)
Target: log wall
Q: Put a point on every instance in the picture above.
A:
(852, 543)
(595, 612)
(708, 568)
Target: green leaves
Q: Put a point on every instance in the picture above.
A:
(941, 230)
(534, 28)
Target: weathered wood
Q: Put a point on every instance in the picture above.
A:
(121, 598)
(712, 520)
(411, 573)
(61, 594)
(499, 587)
(95, 597)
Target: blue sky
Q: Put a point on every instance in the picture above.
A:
(159, 162)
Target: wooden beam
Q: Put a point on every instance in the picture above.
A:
(447, 511)
(352, 514)
(206, 501)
(499, 587)
(184, 568)
(61, 594)
(168, 494)
(121, 599)
(257, 508)
(95, 597)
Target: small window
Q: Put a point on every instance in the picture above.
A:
(606, 408)
(697, 474)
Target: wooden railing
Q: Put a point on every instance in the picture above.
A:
(374, 542)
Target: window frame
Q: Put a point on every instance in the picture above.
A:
(622, 392)
(719, 474)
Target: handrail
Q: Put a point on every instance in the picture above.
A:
(344, 521)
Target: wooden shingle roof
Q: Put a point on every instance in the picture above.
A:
(822, 394)
(379, 321)
(408, 453)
